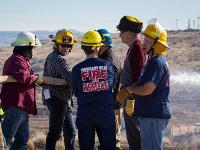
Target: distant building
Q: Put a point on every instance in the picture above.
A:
(184, 130)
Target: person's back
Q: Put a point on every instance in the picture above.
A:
(96, 77)
(107, 53)
(92, 82)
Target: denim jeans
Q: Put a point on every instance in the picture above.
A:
(15, 124)
(2, 140)
(60, 118)
(152, 132)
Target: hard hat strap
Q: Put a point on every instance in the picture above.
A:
(152, 47)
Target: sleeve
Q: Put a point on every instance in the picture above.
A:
(73, 81)
(64, 70)
(111, 74)
(155, 73)
(137, 61)
(22, 73)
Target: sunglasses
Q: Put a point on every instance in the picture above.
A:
(66, 46)
(121, 32)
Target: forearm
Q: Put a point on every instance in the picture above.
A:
(143, 90)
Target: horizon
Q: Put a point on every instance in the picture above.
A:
(83, 16)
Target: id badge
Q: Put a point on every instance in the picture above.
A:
(46, 93)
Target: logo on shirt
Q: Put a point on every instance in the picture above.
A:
(96, 76)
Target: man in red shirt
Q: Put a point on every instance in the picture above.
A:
(130, 29)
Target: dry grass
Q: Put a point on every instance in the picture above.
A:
(183, 54)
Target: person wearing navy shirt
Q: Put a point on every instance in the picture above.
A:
(92, 83)
(152, 104)
(107, 53)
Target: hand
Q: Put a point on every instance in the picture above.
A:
(122, 95)
(129, 108)
(39, 81)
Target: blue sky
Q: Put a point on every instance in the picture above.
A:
(83, 15)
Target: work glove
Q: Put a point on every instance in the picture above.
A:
(129, 107)
(1, 114)
(122, 95)
(39, 81)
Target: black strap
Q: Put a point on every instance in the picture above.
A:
(152, 47)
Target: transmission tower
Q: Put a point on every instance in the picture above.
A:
(193, 24)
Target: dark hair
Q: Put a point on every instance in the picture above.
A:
(87, 49)
(25, 51)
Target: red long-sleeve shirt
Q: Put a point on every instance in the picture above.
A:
(22, 93)
(133, 64)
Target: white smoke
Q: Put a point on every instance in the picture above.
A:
(185, 78)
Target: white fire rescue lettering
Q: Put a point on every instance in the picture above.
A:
(94, 75)
(95, 86)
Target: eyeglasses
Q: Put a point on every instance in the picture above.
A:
(66, 46)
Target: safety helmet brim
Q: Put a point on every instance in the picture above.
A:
(26, 39)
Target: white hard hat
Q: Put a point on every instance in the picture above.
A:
(26, 39)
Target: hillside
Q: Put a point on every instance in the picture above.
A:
(183, 54)
(184, 61)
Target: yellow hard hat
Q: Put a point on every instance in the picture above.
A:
(91, 38)
(64, 37)
(156, 31)
(26, 39)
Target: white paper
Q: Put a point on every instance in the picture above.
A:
(46, 93)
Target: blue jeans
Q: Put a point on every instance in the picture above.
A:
(15, 124)
(60, 118)
(152, 132)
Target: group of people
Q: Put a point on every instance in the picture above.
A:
(104, 89)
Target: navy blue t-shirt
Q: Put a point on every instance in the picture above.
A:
(155, 105)
(92, 82)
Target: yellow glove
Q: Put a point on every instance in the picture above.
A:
(129, 108)
(39, 81)
(1, 114)
(122, 95)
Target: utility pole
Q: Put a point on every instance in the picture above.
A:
(193, 24)
(177, 24)
(189, 26)
(198, 23)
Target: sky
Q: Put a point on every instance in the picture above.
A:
(84, 15)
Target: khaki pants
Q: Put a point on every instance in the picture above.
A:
(118, 123)
(1, 139)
